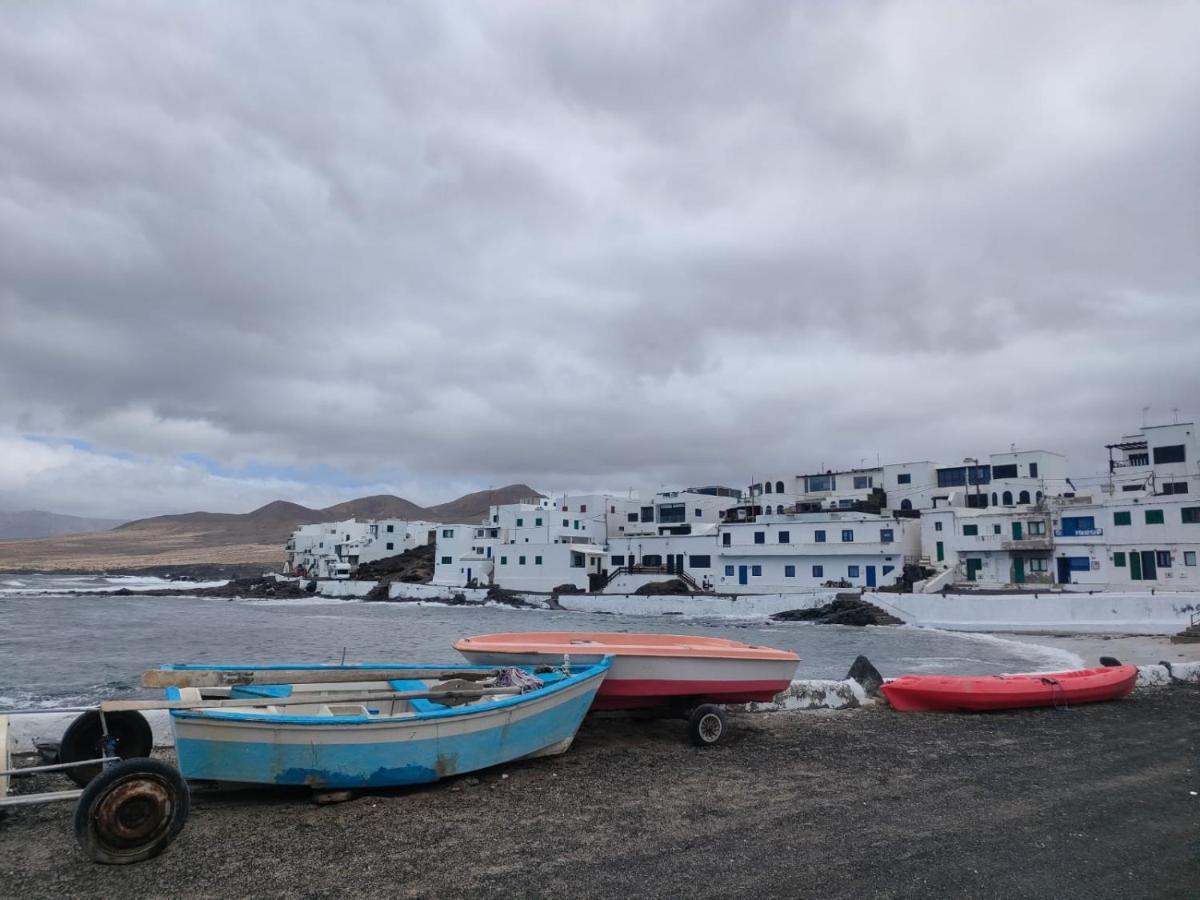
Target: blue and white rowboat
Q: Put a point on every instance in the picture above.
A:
(374, 739)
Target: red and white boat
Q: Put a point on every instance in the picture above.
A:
(648, 670)
(941, 693)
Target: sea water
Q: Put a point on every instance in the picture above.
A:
(58, 649)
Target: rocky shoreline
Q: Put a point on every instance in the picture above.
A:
(865, 803)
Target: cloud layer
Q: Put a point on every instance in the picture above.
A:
(439, 246)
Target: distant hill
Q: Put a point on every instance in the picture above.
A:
(37, 523)
(205, 537)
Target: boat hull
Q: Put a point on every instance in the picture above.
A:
(394, 751)
(647, 678)
(932, 693)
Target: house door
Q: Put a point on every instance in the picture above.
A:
(468, 576)
(670, 564)
(870, 576)
(743, 574)
(1064, 570)
(678, 563)
(941, 551)
(973, 567)
(1135, 565)
(1016, 531)
(1149, 572)
(1019, 562)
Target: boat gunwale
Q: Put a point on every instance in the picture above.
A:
(410, 717)
(698, 647)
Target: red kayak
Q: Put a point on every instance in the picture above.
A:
(975, 693)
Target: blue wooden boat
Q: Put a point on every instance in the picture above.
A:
(328, 730)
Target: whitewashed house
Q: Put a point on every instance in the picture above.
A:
(994, 547)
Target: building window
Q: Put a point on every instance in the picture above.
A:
(1023, 497)
(1035, 527)
(575, 524)
(760, 537)
(818, 571)
(520, 523)
(904, 478)
(995, 529)
(756, 570)
(391, 546)
(729, 571)
(768, 487)
(632, 517)
(449, 532)
(785, 537)
(815, 484)
(970, 530)
(578, 561)
(1154, 517)
(1172, 454)
(1124, 517)
(647, 514)
(726, 539)
(906, 504)
(391, 528)
(847, 536)
(789, 571)
(1189, 557)
(887, 569)
(1033, 470)
(618, 561)
(937, 526)
(651, 559)
(1037, 565)
(583, 508)
(520, 560)
(446, 560)
(851, 571)
(862, 482)
(672, 513)
(1007, 498)
(699, 513)
(1163, 559)
(819, 536)
(504, 560)
(1175, 487)
(537, 521)
(886, 535)
(1119, 560)
(779, 487)
(700, 562)
(1009, 471)
(1190, 515)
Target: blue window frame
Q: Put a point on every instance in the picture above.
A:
(729, 571)
(756, 570)
(818, 571)
(904, 478)
(886, 535)
(785, 537)
(789, 571)
(760, 537)
(504, 560)
(819, 537)
(520, 523)
(726, 539)
(887, 569)
(618, 560)
(847, 535)
(851, 571)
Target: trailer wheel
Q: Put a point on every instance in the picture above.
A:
(84, 740)
(706, 725)
(131, 811)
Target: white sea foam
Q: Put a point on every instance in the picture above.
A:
(1056, 659)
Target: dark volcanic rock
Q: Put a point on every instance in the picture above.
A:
(673, 586)
(865, 674)
(412, 567)
(842, 611)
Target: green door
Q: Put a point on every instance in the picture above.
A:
(1149, 572)
(941, 551)
(973, 567)
(1016, 531)
(1019, 562)
(1135, 566)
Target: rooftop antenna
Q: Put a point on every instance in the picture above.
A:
(1175, 409)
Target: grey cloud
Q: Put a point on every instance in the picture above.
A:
(629, 244)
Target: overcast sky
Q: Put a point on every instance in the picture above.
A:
(261, 250)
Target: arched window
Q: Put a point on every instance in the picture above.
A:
(995, 502)
(1039, 496)
(779, 487)
(906, 504)
(768, 487)
(779, 509)
(1008, 498)
(1023, 497)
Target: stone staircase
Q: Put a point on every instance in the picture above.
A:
(1191, 634)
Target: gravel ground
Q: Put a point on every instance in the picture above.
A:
(1094, 801)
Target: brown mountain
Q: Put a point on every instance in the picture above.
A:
(204, 537)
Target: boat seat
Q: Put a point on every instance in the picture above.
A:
(414, 684)
(260, 690)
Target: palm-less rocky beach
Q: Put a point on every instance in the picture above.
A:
(1090, 802)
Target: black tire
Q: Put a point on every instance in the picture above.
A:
(131, 811)
(706, 725)
(84, 739)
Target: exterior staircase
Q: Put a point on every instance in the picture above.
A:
(1191, 634)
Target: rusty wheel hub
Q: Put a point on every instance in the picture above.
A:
(134, 812)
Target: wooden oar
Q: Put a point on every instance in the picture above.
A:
(298, 700)
(202, 678)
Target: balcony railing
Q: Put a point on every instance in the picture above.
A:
(1078, 532)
